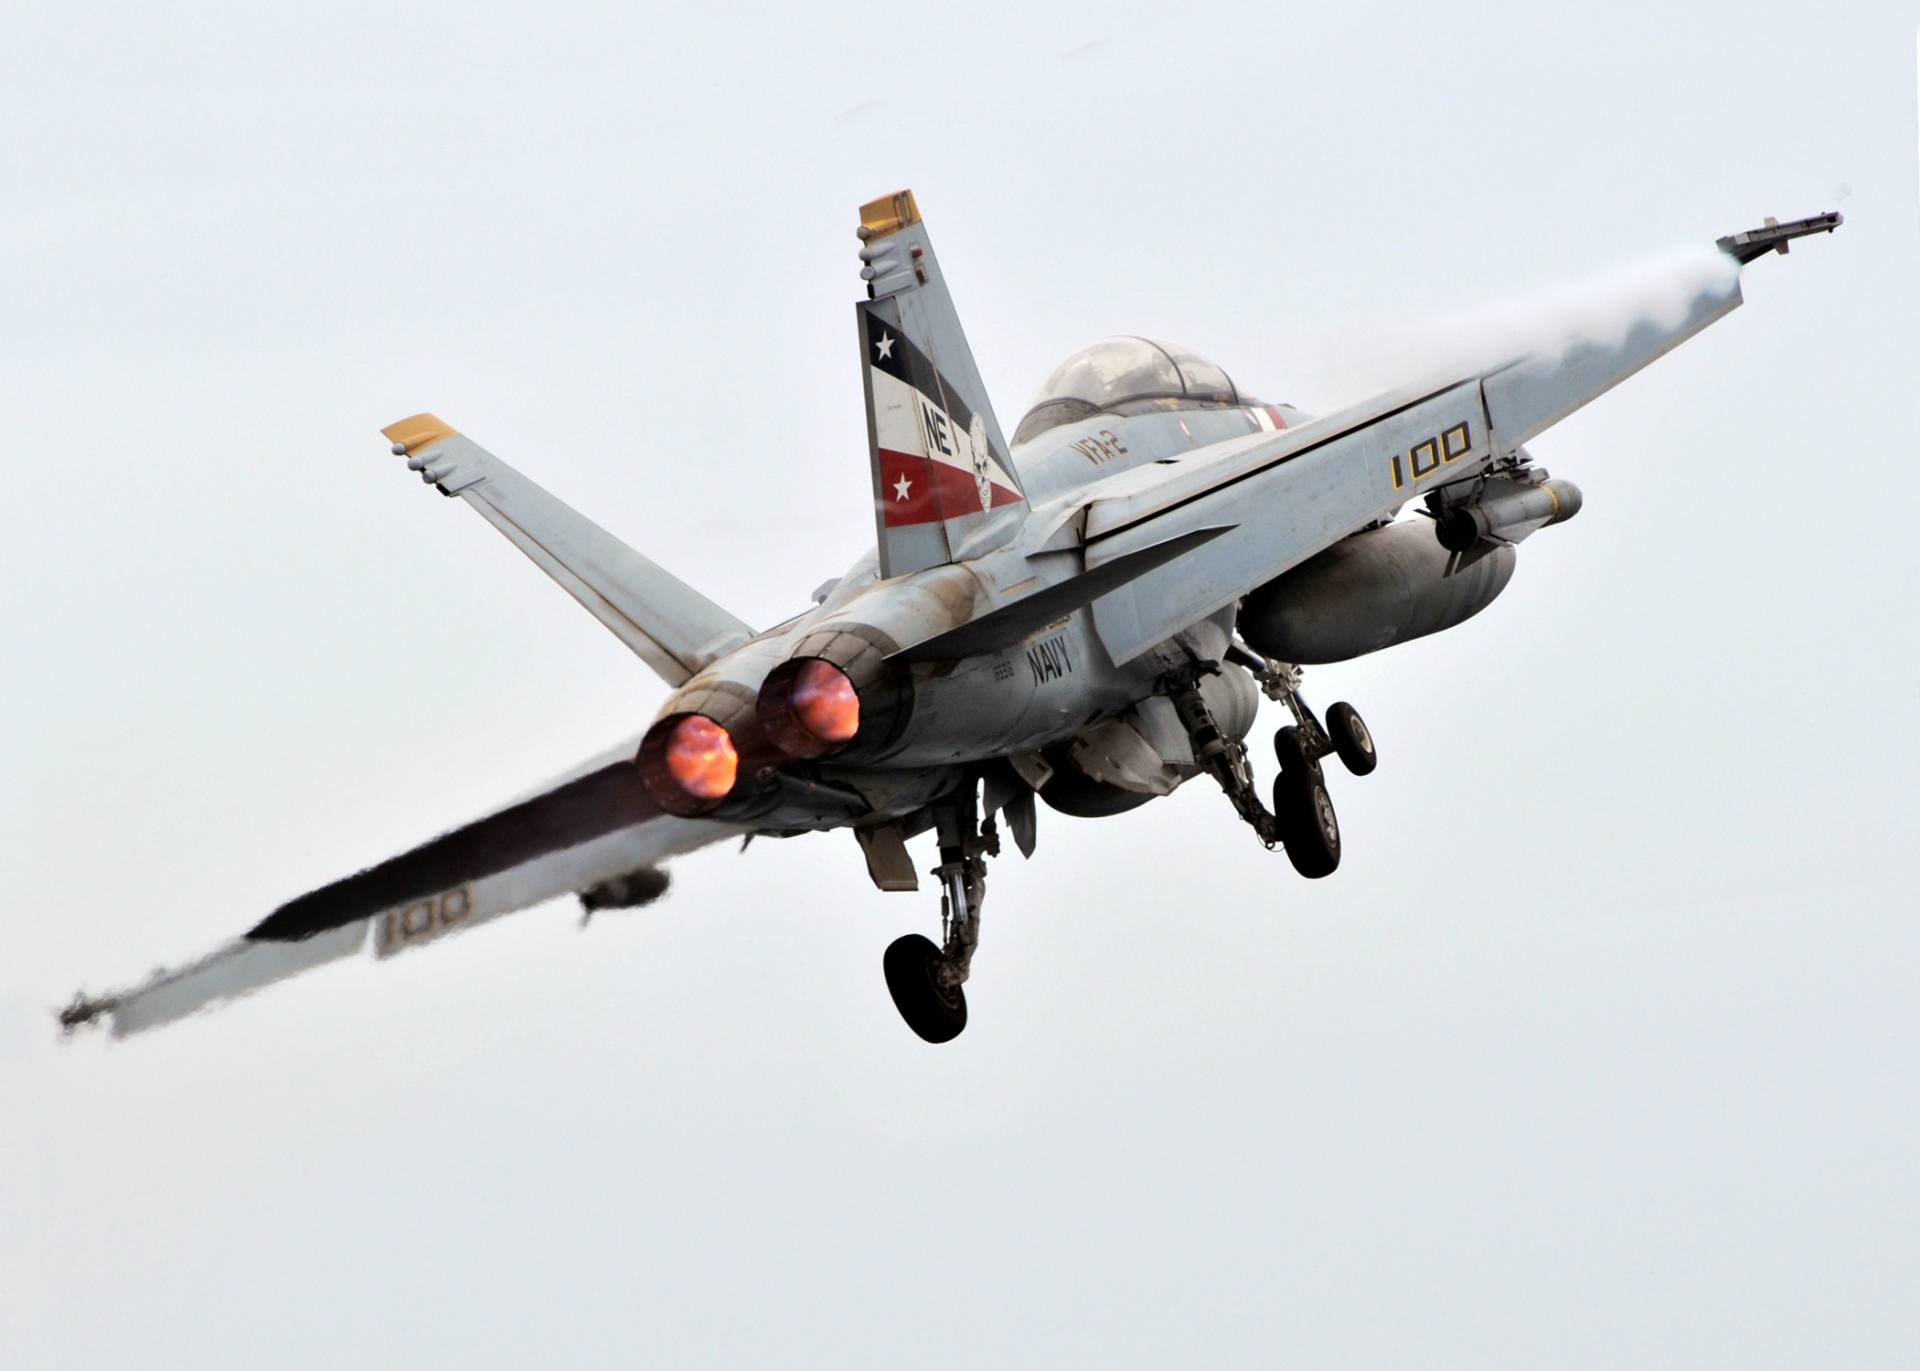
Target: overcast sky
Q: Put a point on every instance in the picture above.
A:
(1599, 1050)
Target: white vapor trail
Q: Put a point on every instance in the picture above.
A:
(1599, 311)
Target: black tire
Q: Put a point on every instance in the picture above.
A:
(1308, 826)
(1287, 813)
(1291, 750)
(1351, 739)
(932, 1010)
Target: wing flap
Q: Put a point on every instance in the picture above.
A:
(571, 869)
(591, 827)
(566, 816)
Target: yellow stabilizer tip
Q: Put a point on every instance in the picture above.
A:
(416, 431)
(889, 214)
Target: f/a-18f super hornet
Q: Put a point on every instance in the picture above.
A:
(1087, 614)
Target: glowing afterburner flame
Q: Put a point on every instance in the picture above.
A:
(824, 702)
(701, 758)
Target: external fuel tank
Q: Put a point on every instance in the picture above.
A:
(1370, 591)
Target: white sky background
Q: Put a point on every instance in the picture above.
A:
(1599, 1050)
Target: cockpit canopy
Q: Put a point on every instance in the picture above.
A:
(1125, 375)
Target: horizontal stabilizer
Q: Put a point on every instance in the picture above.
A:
(666, 623)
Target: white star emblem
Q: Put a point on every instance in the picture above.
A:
(885, 348)
(902, 486)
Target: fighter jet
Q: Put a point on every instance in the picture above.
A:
(1086, 615)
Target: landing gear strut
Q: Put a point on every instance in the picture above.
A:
(1302, 818)
(926, 981)
(1223, 758)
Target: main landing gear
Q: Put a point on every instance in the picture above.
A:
(928, 982)
(1302, 818)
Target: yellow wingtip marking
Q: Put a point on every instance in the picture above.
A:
(889, 214)
(418, 430)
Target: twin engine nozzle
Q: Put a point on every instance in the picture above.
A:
(835, 685)
(691, 759)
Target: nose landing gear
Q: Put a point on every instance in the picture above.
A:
(927, 982)
(935, 1011)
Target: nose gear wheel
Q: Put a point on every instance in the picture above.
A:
(936, 1012)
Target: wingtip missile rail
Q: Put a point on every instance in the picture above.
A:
(1773, 236)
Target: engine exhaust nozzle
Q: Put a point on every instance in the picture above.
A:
(808, 707)
(688, 764)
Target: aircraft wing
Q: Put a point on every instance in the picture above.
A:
(594, 830)
(1284, 497)
(668, 624)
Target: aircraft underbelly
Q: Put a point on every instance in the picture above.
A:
(1021, 699)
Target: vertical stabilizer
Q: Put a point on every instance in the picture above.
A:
(943, 485)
